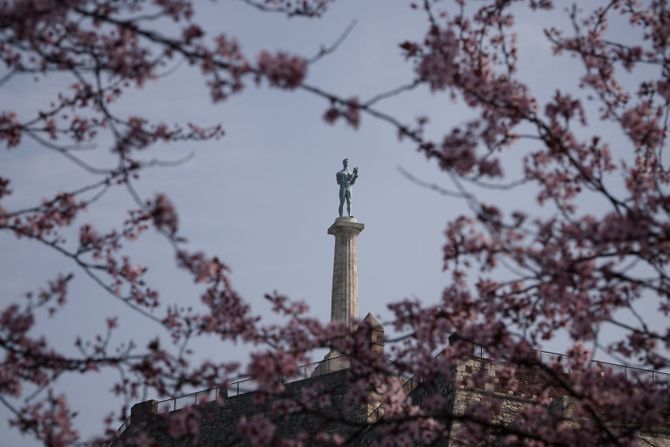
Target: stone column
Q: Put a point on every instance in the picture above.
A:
(344, 296)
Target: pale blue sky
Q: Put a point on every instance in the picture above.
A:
(262, 197)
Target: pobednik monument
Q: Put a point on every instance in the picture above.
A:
(344, 296)
(344, 292)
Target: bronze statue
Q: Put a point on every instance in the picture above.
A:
(346, 180)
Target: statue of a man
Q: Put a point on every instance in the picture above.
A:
(346, 180)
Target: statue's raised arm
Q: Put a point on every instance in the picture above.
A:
(354, 176)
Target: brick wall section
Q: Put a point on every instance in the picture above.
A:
(512, 399)
(465, 391)
(217, 423)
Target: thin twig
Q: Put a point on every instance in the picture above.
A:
(393, 92)
(431, 186)
(328, 50)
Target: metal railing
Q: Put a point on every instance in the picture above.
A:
(242, 386)
(123, 427)
(554, 358)
(197, 398)
(409, 386)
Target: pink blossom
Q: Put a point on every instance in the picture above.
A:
(281, 69)
(257, 430)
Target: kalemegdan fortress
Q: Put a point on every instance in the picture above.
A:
(219, 409)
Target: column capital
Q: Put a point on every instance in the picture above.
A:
(346, 224)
